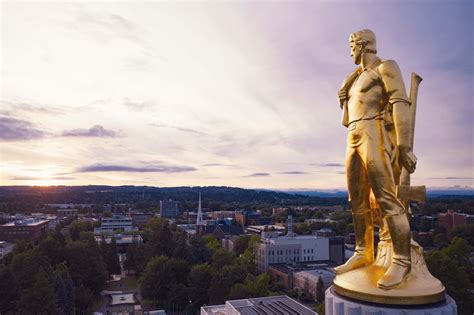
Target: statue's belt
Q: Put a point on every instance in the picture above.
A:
(352, 124)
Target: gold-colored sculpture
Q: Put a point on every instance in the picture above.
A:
(380, 119)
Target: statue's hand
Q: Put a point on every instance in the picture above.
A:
(407, 159)
(342, 95)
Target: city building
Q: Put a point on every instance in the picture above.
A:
(259, 229)
(139, 218)
(123, 241)
(168, 208)
(29, 229)
(117, 222)
(306, 281)
(284, 274)
(272, 305)
(451, 220)
(247, 217)
(219, 229)
(286, 249)
(5, 248)
(66, 212)
(291, 248)
(324, 232)
(223, 214)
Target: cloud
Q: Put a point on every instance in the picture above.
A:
(180, 129)
(137, 105)
(293, 173)
(30, 108)
(13, 129)
(258, 175)
(96, 131)
(25, 178)
(20, 178)
(218, 165)
(135, 169)
(328, 164)
(63, 178)
(451, 177)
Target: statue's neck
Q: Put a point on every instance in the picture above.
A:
(368, 60)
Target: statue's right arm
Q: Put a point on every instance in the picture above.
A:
(395, 88)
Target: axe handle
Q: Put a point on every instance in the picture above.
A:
(415, 83)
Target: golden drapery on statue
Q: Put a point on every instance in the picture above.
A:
(380, 119)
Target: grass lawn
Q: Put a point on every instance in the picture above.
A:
(125, 284)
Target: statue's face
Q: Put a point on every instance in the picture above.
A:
(356, 52)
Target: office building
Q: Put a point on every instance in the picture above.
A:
(29, 229)
(168, 209)
(139, 218)
(451, 220)
(115, 223)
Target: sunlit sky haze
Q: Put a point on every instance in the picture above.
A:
(168, 93)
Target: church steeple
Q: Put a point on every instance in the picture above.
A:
(199, 220)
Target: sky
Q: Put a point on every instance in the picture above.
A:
(231, 93)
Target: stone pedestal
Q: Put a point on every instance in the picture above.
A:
(340, 305)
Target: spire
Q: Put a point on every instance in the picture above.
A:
(199, 220)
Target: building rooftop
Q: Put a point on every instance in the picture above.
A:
(273, 305)
(124, 298)
(26, 222)
(302, 266)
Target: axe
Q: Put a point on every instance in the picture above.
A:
(406, 192)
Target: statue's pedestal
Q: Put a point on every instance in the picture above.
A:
(340, 305)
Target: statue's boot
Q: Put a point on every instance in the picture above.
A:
(401, 259)
(364, 251)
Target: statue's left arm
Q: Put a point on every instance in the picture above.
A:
(397, 97)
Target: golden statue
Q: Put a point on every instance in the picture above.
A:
(380, 118)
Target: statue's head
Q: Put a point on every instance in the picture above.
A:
(362, 42)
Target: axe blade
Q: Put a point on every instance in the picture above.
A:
(411, 193)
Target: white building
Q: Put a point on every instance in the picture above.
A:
(114, 223)
(287, 249)
(291, 248)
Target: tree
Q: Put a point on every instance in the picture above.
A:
(241, 244)
(111, 258)
(222, 282)
(25, 267)
(86, 266)
(76, 227)
(162, 275)
(318, 215)
(453, 277)
(40, 298)
(440, 240)
(199, 252)
(181, 250)
(222, 258)
(321, 309)
(320, 290)
(212, 243)
(161, 239)
(8, 290)
(199, 282)
(64, 289)
(53, 248)
(465, 231)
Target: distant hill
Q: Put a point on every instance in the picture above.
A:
(431, 192)
(146, 196)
